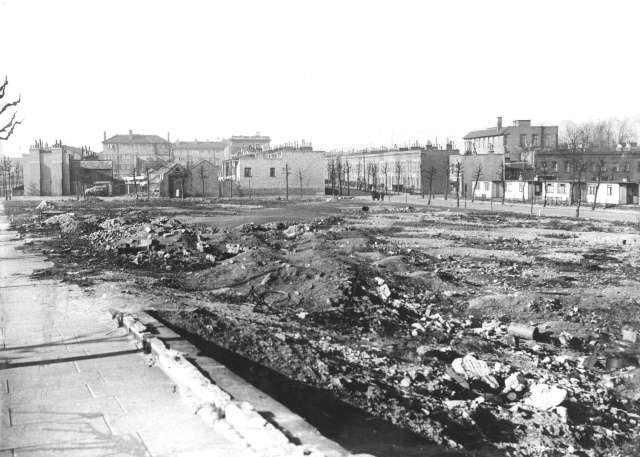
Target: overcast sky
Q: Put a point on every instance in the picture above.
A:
(337, 73)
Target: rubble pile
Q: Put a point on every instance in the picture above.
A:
(69, 224)
(469, 330)
(163, 241)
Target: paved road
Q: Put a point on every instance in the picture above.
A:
(71, 384)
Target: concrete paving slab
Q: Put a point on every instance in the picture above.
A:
(67, 373)
(56, 412)
(68, 430)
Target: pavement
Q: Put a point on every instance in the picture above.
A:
(73, 384)
(630, 213)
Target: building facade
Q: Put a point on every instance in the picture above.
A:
(292, 169)
(391, 170)
(63, 170)
(515, 141)
(192, 152)
(124, 150)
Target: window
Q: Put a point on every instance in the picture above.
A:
(562, 188)
(509, 187)
(627, 167)
(272, 172)
(486, 185)
(547, 141)
(247, 172)
(609, 189)
(616, 167)
(534, 140)
(520, 187)
(523, 140)
(544, 165)
(567, 167)
(591, 190)
(549, 188)
(554, 166)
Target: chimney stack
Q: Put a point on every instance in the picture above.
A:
(168, 138)
(105, 135)
(130, 132)
(499, 123)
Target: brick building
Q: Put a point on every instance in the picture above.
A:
(392, 170)
(203, 180)
(63, 170)
(515, 141)
(192, 152)
(246, 144)
(124, 150)
(296, 167)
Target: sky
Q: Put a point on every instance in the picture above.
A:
(340, 74)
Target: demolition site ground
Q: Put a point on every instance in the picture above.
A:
(394, 330)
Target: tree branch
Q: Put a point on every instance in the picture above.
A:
(9, 105)
(13, 118)
(10, 132)
(4, 86)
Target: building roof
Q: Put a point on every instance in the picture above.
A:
(95, 164)
(202, 163)
(493, 131)
(199, 145)
(250, 138)
(136, 138)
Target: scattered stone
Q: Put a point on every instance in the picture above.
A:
(545, 396)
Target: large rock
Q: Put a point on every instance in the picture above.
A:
(545, 396)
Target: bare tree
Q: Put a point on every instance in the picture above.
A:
(385, 172)
(458, 170)
(135, 183)
(430, 173)
(339, 174)
(503, 180)
(542, 170)
(372, 170)
(623, 132)
(477, 174)
(331, 171)
(398, 171)
(202, 178)
(600, 167)
(6, 167)
(6, 130)
(347, 170)
(359, 175)
(301, 180)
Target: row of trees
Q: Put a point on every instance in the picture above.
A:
(11, 176)
(10, 170)
(368, 176)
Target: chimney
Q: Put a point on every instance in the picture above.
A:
(168, 138)
(130, 132)
(499, 123)
(105, 135)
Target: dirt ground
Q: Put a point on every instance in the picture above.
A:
(405, 314)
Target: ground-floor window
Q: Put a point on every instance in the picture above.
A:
(520, 186)
(609, 190)
(591, 190)
(272, 172)
(247, 172)
(549, 188)
(562, 188)
(486, 185)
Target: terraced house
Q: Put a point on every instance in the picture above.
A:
(125, 150)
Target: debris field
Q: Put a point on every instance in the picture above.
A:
(488, 334)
